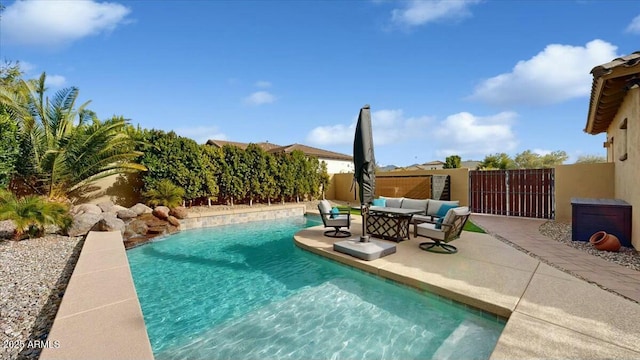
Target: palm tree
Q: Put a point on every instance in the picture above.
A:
(65, 148)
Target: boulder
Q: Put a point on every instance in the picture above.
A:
(116, 208)
(85, 209)
(106, 206)
(126, 214)
(141, 209)
(82, 223)
(180, 212)
(161, 212)
(109, 223)
(137, 227)
(173, 221)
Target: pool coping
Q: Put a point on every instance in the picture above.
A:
(100, 315)
(550, 314)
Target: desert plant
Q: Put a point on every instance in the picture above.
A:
(165, 193)
(32, 213)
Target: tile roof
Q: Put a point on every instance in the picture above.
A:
(266, 146)
(273, 148)
(309, 150)
(610, 84)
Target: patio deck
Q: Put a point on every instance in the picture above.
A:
(552, 314)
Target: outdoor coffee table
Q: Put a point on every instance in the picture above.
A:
(390, 223)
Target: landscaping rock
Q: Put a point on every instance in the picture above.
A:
(82, 223)
(180, 212)
(161, 212)
(137, 227)
(86, 209)
(141, 209)
(117, 208)
(109, 223)
(173, 221)
(106, 206)
(126, 214)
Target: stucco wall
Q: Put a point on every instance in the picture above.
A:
(338, 166)
(627, 172)
(123, 190)
(581, 180)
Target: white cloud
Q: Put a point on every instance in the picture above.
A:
(389, 127)
(634, 26)
(419, 12)
(541, 152)
(56, 80)
(263, 84)
(556, 74)
(202, 133)
(468, 135)
(53, 22)
(260, 98)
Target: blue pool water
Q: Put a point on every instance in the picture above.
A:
(246, 291)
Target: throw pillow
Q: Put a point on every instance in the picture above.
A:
(334, 212)
(379, 202)
(439, 223)
(444, 208)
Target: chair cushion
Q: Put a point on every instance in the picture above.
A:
(324, 206)
(415, 204)
(340, 220)
(444, 208)
(430, 231)
(434, 206)
(334, 212)
(392, 201)
(379, 202)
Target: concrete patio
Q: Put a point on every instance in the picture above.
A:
(551, 314)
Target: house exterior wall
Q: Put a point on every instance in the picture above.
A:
(584, 181)
(627, 172)
(338, 166)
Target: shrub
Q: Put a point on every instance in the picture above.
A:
(32, 213)
(165, 193)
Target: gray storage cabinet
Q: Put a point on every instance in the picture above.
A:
(612, 216)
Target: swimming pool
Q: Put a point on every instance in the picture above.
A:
(245, 291)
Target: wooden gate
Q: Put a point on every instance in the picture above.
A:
(526, 192)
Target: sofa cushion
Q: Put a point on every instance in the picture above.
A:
(379, 202)
(393, 201)
(415, 204)
(434, 206)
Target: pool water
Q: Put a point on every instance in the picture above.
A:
(245, 291)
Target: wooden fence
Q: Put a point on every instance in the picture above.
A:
(526, 193)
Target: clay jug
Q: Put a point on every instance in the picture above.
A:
(606, 242)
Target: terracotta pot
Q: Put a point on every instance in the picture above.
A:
(606, 242)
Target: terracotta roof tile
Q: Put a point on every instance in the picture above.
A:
(610, 82)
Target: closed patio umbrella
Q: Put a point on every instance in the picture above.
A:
(364, 162)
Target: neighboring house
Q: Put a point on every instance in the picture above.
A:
(614, 108)
(336, 162)
(432, 165)
(469, 164)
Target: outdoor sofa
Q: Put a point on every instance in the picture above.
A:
(432, 210)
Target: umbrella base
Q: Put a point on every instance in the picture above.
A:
(371, 250)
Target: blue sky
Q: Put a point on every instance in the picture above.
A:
(442, 77)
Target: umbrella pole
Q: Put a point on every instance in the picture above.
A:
(364, 210)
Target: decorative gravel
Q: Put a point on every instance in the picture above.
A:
(561, 232)
(33, 277)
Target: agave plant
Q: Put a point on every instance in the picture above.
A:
(165, 193)
(32, 213)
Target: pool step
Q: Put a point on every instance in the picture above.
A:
(451, 348)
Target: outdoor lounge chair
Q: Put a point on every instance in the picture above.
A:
(336, 221)
(450, 229)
